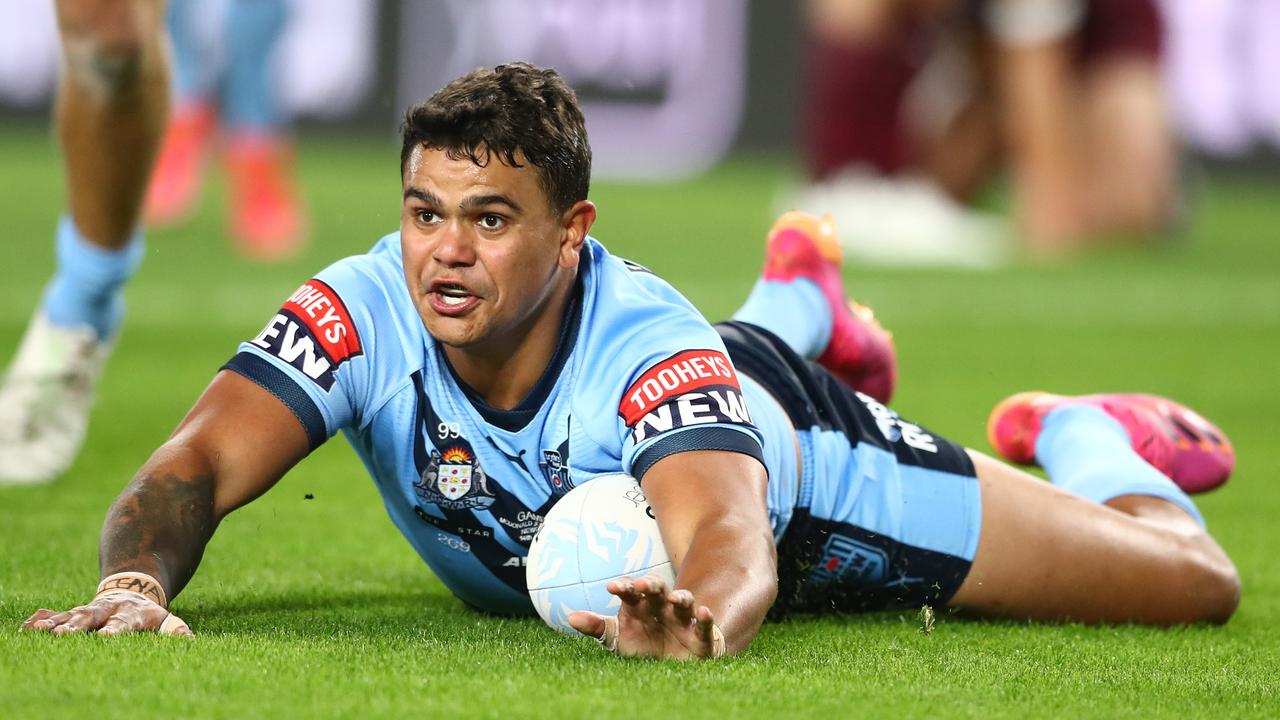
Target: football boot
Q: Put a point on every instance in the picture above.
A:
(1174, 439)
(266, 214)
(860, 353)
(179, 170)
(45, 398)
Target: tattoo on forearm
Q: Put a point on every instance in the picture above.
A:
(159, 525)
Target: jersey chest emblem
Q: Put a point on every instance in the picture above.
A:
(453, 476)
(454, 480)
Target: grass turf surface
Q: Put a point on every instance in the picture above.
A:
(318, 607)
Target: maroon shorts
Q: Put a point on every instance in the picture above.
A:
(855, 94)
(1121, 27)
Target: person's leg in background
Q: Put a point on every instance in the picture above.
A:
(860, 63)
(113, 98)
(866, 163)
(266, 217)
(1131, 170)
(188, 141)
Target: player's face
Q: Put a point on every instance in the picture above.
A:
(484, 252)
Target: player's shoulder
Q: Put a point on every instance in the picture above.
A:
(370, 287)
(354, 310)
(632, 320)
(650, 365)
(373, 276)
(625, 300)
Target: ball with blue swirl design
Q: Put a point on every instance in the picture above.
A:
(601, 530)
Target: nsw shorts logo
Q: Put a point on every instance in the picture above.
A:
(693, 387)
(312, 332)
(847, 560)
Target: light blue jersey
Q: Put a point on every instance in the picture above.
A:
(638, 375)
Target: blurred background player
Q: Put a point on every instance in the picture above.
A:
(914, 104)
(112, 100)
(223, 87)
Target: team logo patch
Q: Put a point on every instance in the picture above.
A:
(453, 480)
(312, 332)
(453, 476)
(693, 387)
(555, 469)
(849, 560)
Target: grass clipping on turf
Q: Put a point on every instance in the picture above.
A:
(926, 619)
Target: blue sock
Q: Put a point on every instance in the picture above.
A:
(252, 31)
(87, 288)
(795, 311)
(1086, 451)
(193, 68)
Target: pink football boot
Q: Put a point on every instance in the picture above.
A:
(266, 214)
(860, 353)
(1177, 441)
(179, 169)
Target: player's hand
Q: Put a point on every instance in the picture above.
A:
(110, 614)
(653, 622)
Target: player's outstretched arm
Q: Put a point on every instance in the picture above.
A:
(233, 445)
(712, 512)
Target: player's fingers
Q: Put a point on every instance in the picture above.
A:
(654, 590)
(174, 625)
(86, 617)
(115, 625)
(611, 635)
(38, 617)
(681, 606)
(587, 623)
(627, 590)
(704, 623)
(603, 630)
(652, 585)
(52, 621)
(709, 633)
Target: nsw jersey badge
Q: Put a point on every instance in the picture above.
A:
(453, 480)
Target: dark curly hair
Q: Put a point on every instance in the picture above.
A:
(511, 109)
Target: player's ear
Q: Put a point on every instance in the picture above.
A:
(576, 222)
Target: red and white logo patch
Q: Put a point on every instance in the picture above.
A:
(675, 376)
(312, 332)
(689, 388)
(317, 305)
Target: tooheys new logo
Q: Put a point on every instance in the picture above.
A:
(694, 387)
(312, 332)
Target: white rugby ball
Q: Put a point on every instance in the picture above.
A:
(600, 530)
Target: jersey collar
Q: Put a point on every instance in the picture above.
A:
(519, 416)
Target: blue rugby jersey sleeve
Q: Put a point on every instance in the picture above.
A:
(311, 355)
(688, 400)
(662, 371)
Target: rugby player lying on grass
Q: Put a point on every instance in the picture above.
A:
(491, 355)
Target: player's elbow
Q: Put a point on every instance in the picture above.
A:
(760, 556)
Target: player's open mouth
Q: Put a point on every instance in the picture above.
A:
(452, 295)
(450, 298)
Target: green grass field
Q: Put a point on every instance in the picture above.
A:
(317, 607)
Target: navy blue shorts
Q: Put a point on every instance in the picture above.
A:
(888, 514)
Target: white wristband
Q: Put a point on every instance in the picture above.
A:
(135, 583)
